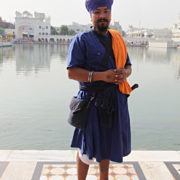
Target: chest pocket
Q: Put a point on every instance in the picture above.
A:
(95, 54)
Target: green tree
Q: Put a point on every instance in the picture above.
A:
(123, 33)
(64, 30)
(2, 31)
(53, 31)
(72, 32)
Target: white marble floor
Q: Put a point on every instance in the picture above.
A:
(57, 165)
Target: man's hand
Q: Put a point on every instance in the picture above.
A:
(121, 75)
(109, 76)
(116, 76)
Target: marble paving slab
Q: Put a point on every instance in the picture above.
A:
(57, 165)
(54, 170)
(70, 155)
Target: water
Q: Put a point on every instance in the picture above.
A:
(35, 94)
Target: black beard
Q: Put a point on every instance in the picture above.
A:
(101, 27)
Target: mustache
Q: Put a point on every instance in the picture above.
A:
(102, 20)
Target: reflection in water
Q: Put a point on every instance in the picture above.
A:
(175, 60)
(35, 57)
(6, 54)
(59, 50)
(30, 57)
(137, 54)
(40, 113)
(157, 56)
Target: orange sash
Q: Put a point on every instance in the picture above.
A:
(120, 53)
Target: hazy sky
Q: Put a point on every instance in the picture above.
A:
(139, 13)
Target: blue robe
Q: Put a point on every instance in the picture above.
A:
(98, 142)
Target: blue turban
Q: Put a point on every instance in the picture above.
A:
(91, 5)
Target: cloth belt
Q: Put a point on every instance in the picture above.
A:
(104, 100)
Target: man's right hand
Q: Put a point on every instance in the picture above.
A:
(109, 76)
(113, 76)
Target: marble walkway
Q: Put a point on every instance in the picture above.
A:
(60, 165)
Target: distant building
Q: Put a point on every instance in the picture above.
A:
(9, 34)
(32, 28)
(6, 25)
(117, 27)
(176, 31)
(79, 27)
(164, 33)
(134, 32)
(10, 31)
(57, 29)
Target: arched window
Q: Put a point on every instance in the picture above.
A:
(51, 39)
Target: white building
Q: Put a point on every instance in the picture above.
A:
(117, 27)
(164, 34)
(9, 31)
(79, 27)
(29, 27)
(134, 32)
(162, 44)
(176, 32)
(57, 29)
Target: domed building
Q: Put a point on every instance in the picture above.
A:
(29, 27)
(176, 32)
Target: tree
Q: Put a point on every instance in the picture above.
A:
(64, 30)
(72, 32)
(123, 33)
(53, 31)
(2, 32)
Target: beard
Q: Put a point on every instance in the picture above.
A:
(102, 24)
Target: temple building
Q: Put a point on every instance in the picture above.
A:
(176, 32)
(32, 27)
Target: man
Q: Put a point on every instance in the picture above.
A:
(98, 59)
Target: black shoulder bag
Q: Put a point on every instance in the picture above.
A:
(79, 110)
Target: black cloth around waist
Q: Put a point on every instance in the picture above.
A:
(104, 99)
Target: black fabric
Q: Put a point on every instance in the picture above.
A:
(104, 101)
(107, 43)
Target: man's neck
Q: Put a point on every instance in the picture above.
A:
(104, 33)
